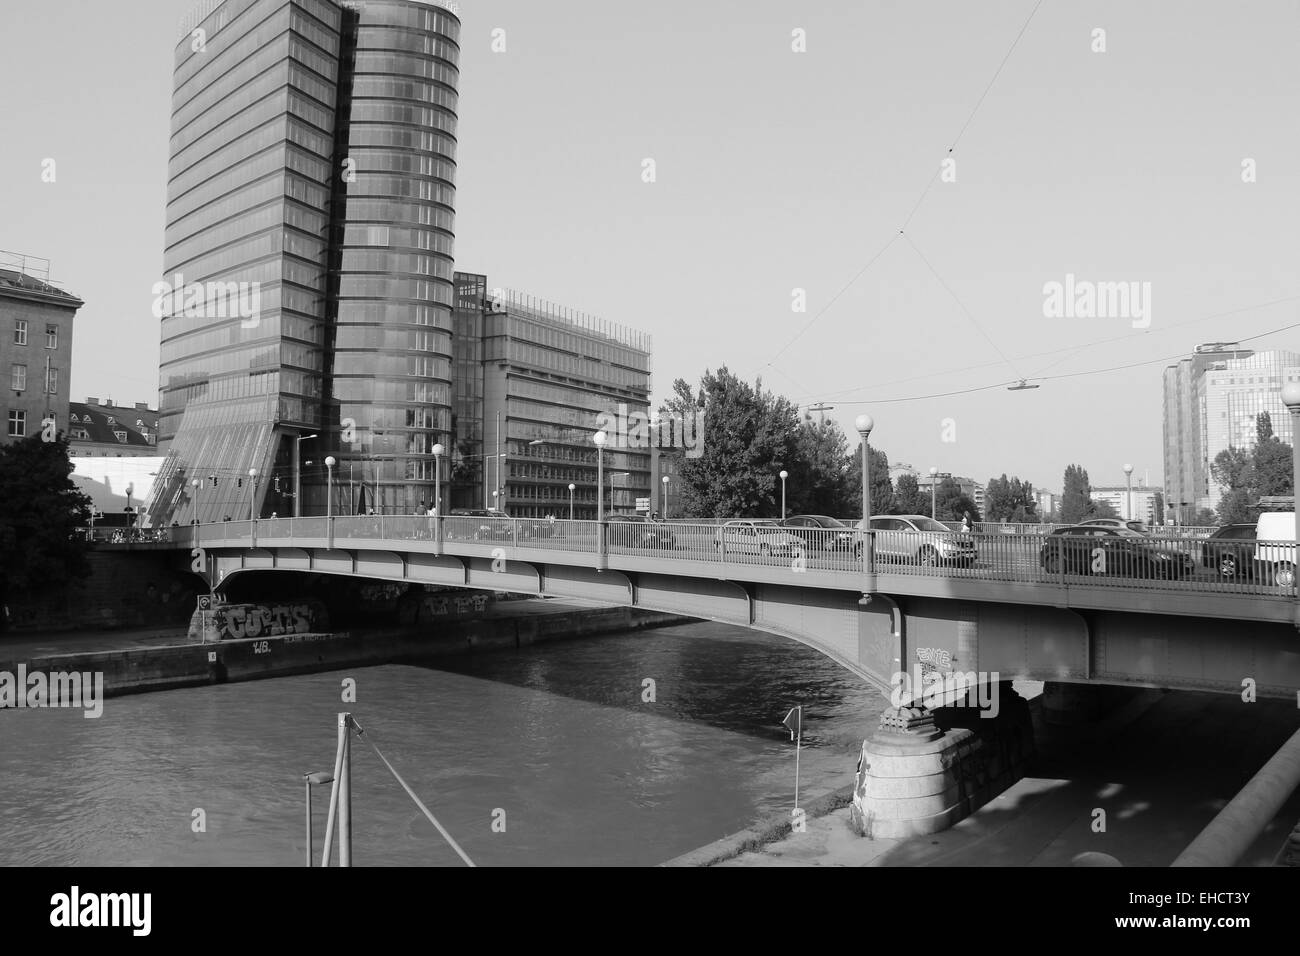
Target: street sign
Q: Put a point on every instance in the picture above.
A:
(205, 602)
(643, 504)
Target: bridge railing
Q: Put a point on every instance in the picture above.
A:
(1156, 562)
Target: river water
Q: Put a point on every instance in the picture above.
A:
(553, 743)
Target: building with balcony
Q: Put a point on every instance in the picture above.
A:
(35, 346)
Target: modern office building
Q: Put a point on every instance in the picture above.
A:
(307, 295)
(1147, 502)
(112, 431)
(531, 380)
(35, 346)
(1211, 402)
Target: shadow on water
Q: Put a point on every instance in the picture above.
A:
(727, 677)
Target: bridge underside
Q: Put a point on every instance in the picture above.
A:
(877, 641)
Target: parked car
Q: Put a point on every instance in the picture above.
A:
(919, 539)
(637, 531)
(1276, 561)
(491, 526)
(752, 536)
(1230, 551)
(1131, 524)
(1117, 552)
(820, 533)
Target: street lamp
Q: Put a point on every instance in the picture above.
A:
(196, 485)
(437, 478)
(1128, 498)
(297, 473)
(864, 424)
(317, 778)
(612, 476)
(330, 462)
(572, 488)
(252, 494)
(784, 475)
(599, 440)
(1291, 399)
(933, 486)
(664, 508)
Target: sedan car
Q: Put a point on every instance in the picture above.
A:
(751, 536)
(1230, 551)
(637, 531)
(820, 533)
(1117, 552)
(918, 539)
(1131, 524)
(486, 525)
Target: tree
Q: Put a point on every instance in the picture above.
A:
(1233, 468)
(1102, 509)
(908, 497)
(882, 487)
(40, 512)
(1205, 518)
(951, 504)
(997, 499)
(749, 436)
(1076, 495)
(1271, 461)
(819, 481)
(1235, 506)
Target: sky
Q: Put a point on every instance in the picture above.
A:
(782, 175)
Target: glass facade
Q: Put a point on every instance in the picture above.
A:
(308, 249)
(528, 371)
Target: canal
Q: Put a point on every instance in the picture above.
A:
(557, 743)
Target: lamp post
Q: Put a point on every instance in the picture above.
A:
(934, 472)
(864, 424)
(437, 479)
(330, 462)
(599, 440)
(784, 475)
(1128, 493)
(572, 488)
(664, 509)
(1291, 399)
(196, 485)
(319, 777)
(252, 494)
(297, 473)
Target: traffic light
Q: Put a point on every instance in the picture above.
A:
(213, 479)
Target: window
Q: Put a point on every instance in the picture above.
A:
(51, 336)
(51, 380)
(18, 377)
(17, 424)
(121, 436)
(20, 332)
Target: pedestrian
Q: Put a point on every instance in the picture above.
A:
(433, 519)
(965, 522)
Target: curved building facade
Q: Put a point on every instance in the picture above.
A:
(306, 303)
(390, 381)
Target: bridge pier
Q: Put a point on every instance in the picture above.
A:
(924, 770)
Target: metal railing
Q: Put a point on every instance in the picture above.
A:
(1163, 562)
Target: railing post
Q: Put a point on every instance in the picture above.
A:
(514, 532)
(602, 545)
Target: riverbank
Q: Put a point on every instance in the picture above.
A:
(164, 659)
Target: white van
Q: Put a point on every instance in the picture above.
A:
(1276, 560)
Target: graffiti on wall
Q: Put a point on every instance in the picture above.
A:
(260, 620)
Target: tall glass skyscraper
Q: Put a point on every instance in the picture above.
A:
(306, 304)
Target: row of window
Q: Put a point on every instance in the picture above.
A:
(18, 378)
(20, 334)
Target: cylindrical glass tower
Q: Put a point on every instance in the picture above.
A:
(393, 224)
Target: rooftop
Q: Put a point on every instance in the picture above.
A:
(30, 275)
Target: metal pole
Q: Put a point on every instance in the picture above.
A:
(306, 781)
(600, 483)
(864, 424)
(297, 478)
(437, 484)
(500, 497)
(345, 793)
(329, 491)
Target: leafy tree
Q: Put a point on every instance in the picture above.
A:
(819, 480)
(749, 435)
(1102, 509)
(997, 499)
(951, 505)
(40, 512)
(882, 487)
(1205, 517)
(1271, 460)
(1235, 506)
(1076, 496)
(908, 497)
(1233, 468)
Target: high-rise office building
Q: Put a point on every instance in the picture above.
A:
(35, 346)
(306, 305)
(532, 380)
(1212, 400)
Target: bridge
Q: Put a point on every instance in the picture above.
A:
(1017, 606)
